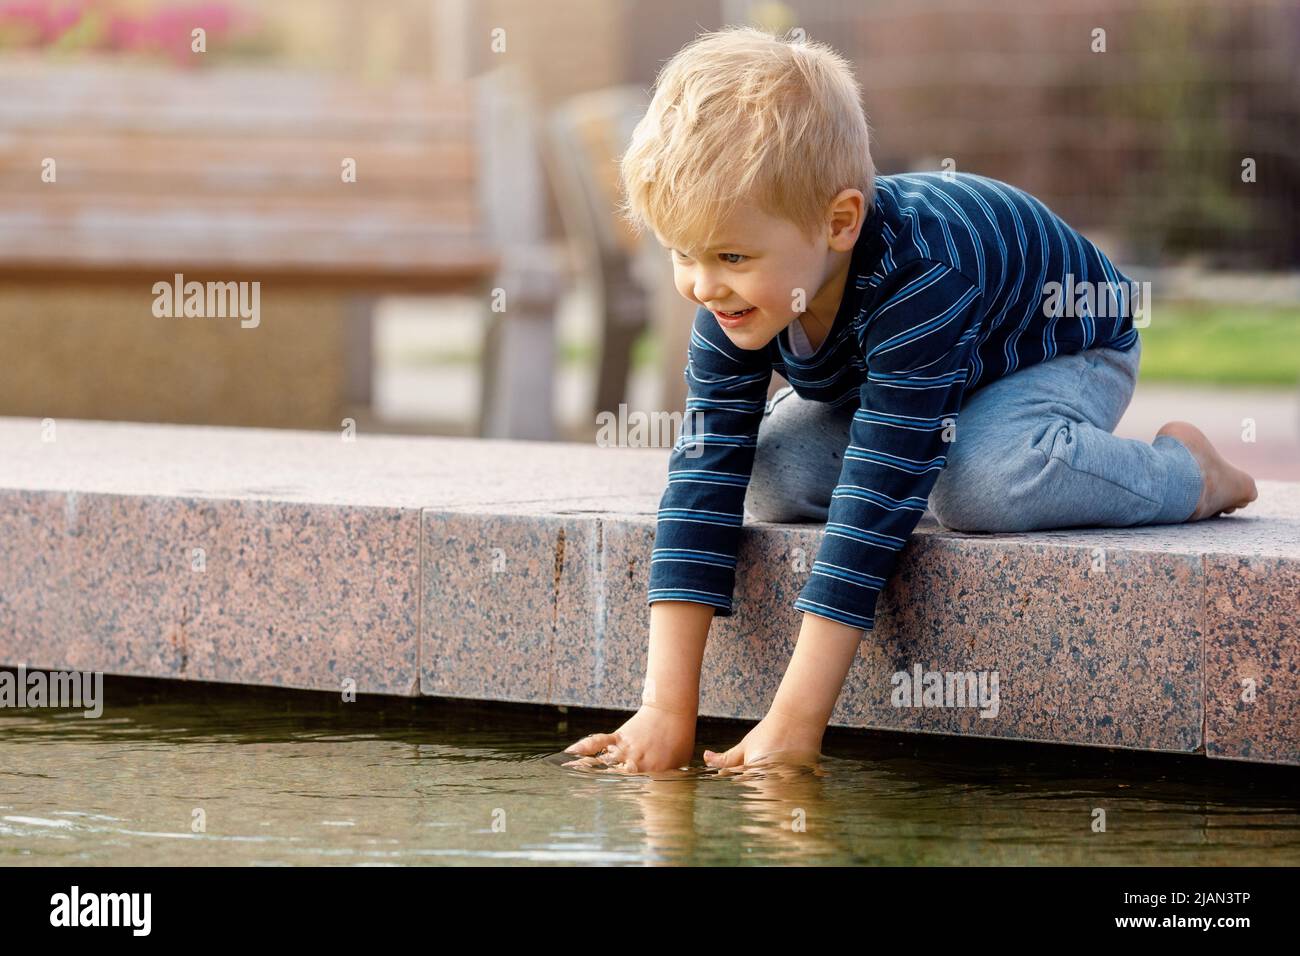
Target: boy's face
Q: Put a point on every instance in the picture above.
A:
(768, 266)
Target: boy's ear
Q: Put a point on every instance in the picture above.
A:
(848, 213)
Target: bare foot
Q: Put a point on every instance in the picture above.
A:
(1225, 488)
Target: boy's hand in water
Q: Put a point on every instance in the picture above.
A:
(777, 739)
(651, 740)
(791, 733)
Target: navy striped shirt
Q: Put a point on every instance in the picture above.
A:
(948, 290)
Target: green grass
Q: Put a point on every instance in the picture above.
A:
(1216, 344)
(1194, 343)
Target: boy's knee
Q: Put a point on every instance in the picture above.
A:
(1001, 491)
(771, 497)
(765, 509)
(979, 496)
(781, 493)
(955, 510)
(967, 513)
(771, 492)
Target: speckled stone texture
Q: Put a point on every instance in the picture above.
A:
(517, 571)
(248, 592)
(1252, 658)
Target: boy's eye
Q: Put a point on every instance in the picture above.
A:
(736, 256)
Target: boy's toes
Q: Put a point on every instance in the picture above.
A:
(1246, 492)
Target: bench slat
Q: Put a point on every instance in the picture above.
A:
(158, 163)
(236, 171)
(330, 213)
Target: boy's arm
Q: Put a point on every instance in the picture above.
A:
(917, 344)
(815, 675)
(678, 633)
(697, 535)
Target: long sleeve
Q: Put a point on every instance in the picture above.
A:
(917, 343)
(697, 535)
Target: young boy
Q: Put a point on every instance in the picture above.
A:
(890, 304)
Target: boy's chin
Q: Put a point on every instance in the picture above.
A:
(749, 338)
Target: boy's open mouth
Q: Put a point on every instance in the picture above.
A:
(737, 315)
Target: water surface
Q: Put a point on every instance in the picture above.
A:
(185, 773)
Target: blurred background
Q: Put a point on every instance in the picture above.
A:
(424, 191)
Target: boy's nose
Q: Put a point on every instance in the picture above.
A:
(706, 292)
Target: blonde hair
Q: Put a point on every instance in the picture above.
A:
(742, 115)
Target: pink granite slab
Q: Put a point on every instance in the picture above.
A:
(1252, 667)
(518, 571)
(1098, 636)
(500, 595)
(311, 543)
(320, 468)
(1087, 651)
(285, 594)
(1109, 657)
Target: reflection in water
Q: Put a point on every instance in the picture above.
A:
(210, 774)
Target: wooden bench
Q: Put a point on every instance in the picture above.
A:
(239, 175)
